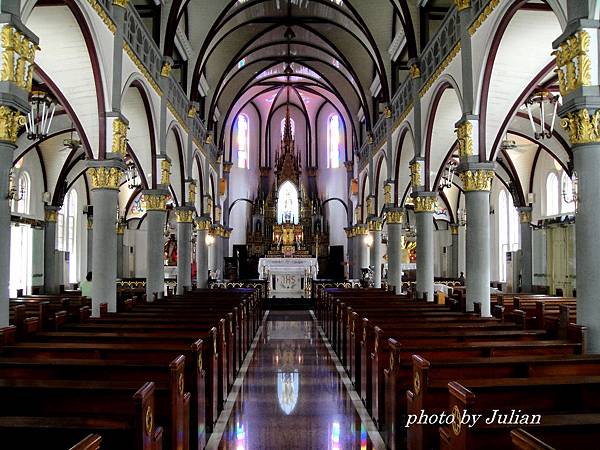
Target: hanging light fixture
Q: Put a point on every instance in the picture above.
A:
(448, 177)
(539, 105)
(39, 118)
(570, 197)
(131, 175)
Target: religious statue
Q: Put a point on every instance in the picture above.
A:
(170, 251)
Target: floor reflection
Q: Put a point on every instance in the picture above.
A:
(292, 396)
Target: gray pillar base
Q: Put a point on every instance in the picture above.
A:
(425, 255)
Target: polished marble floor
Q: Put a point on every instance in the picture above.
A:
(292, 397)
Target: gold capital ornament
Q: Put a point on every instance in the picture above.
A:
(462, 4)
(10, 123)
(370, 206)
(165, 71)
(525, 216)
(387, 193)
(192, 111)
(573, 63)
(50, 215)
(192, 192)
(18, 55)
(415, 174)
(155, 202)
(424, 204)
(184, 215)
(203, 224)
(477, 180)
(394, 217)
(121, 227)
(582, 128)
(464, 133)
(375, 225)
(105, 177)
(119, 142)
(387, 111)
(165, 172)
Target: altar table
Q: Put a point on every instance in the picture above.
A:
(288, 277)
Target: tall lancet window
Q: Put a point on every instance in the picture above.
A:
(292, 126)
(552, 195)
(333, 141)
(243, 141)
(508, 230)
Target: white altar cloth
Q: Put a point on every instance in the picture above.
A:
(288, 277)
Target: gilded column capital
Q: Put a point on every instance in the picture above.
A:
(370, 205)
(349, 232)
(573, 62)
(464, 135)
(525, 214)
(165, 70)
(51, 213)
(477, 180)
(121, 3)
(582, 127)
(375, 225)
(387, 112)
(454, 229)
(121, 226)
(155, 200)
(192, 110)
(10, 123)
(184, 215)
(395, 216)
(203, 223)
(105, 177)
(387, 193)
(361, 229)
(192, 193)
(424, 203)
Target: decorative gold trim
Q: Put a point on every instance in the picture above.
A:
(165, 70)
(121, 228)
(165, 172)
(192, 192)
(180, 384)
(417, 383)
(370, 206)
(424, 204)
(149, 422)
(582, 128)
(192, 111)
(454, 230)
(119, 142)
(456, 423)
(440, 69)
(184, 215)
(142, 69)
(18, 55)
(105, 177)
(387, 112)
(462, 4)
(415, 173)
(50, 215)
(414, 71)
(103, 15)
(370, 138)
(10, 123)
(573, 63)
(387, 193)
(395, 217)
(361, 230)
(483, 16)
(464, 134)
(477, 180)
(155, 202)
(121, 3)
(199, 361)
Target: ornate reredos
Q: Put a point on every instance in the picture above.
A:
(287, 165)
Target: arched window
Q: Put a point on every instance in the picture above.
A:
(292, 125)
(287, 203)
(66, 232)
(243, 141)
(23, 186)
(508, 231)
(333, 141)
(566, 194)
(552, 194)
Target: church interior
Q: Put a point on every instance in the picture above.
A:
(299, 224)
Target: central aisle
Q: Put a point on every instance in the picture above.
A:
(292, 396)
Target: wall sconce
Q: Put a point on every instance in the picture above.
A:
(571, 197)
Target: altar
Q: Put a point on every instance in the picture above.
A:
(288, 277)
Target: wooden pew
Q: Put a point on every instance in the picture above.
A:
(552, 398)
(573, 431)
(36, 413)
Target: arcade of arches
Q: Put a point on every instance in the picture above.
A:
(173, 142)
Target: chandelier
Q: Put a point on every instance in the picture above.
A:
(539, 105)
(448, 177)
(39, 118)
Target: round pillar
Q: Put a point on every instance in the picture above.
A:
(50, 259)
(156, 214)
(394, 227)
(185, 218)
(202, 226)
(424, 207)
(376, 256)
